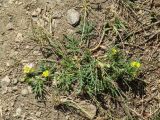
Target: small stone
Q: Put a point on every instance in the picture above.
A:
(10, 26)
(15, 88)
(73, 17)
(12, 104)
(67, 117)
(15, 81)
(5, 81)
(24, 92)
(27, 46)
(16, 2)
(36, 12)
(8, 64)
(19, 37)
(4, 90)
(55, 23)
(38, 114)
(90, 109)
(20, 3)
(18, 112)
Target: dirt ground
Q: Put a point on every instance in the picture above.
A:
(17, 101)
(16, 47)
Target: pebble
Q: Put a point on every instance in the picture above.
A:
(55, 23)
(38, 114)
(19, 37)
(10, 26)
(90, 109)
(18, 112)
(4, 90)
(15, 88)
(8, 64)
(73, 17)
(36, 12)
(5, 81)
(24, 92)
(15, 81)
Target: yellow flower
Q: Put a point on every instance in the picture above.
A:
(45, 73)
(28, 68)
(114, 51)
(135, 64)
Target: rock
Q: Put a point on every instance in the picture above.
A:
(4, 90)
(24, 92)
(10, 26)
(89, 109)
(18, 112)
(36, 12)
(73, 17)
(19, 37)
(38, 114)
(55, 23)
(85, 108)
(12, 104)
(5, 81)
(15, 81)
(15, 88)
